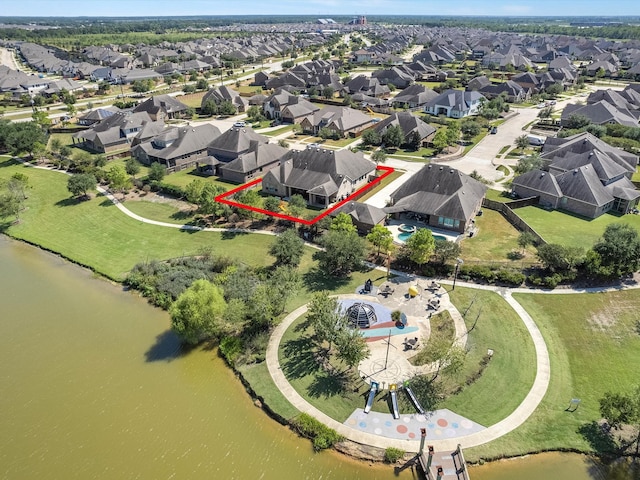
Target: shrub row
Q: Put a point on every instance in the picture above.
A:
(323, 437)
(499, 275)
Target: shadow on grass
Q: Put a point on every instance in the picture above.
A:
(106, 203)
(166, 348)
(299, 359)
(231, 234)
(183, 215)
(9, 162)
(67, 202)
(325, 384)
(317, 280)
(599, 439)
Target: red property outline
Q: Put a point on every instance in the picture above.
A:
(222, 198)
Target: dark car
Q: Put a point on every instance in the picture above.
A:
(493, 130)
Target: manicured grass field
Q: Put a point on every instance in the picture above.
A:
(593, 343)
(279, 131)
(567, 229)
(636, 176)
(495, 239)
(96, 234)
(162, 212)
(509, 375)
(262, 384)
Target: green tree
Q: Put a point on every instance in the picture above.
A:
(327, 92)
(323, 315)
(577, 121)
(202, 84)
(132, 167)
(193, 191)
(209, 108)
(343, 253)
(296, 205)
(41, 118)
(226, 108)
(469, 128)
(393, 137)
(380, 237)
(285, 282)
(11, 204)
(157, 171)
(420, 246)
(554, 89)
(351, 346)
(118, 179)
(263, 305)
(623, 409)
(440, 140)
(379, 156)
(198, 312)
(343, 223)
(287, 248)
(617, 253)
(207, 204)
(371, 137)
(453, 133)
(560, 258)
(528, 163)
(272, 204)
(445, 251)
(80, 184)
(522, 141)
(415, 141)
(525, 239)
(545, 113)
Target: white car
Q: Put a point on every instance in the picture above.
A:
(239, 124)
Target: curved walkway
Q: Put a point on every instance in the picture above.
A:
(514, 420)
(510, 423)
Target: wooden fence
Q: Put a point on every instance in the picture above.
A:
(507, 210)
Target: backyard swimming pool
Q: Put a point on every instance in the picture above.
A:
(405, 235)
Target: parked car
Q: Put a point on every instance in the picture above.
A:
(239, 124)
(493, 130)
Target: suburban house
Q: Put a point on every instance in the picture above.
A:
(599, 113)
(321, 176)
(582, 175)
(97, 115)
(255, 163)
(234, 142)
(413, 97)
(288, 107)
(177, 148)
(439, 195)
(410, 125)
(368, 86)
(395, 76)
(513, 92)
(455, 104)
(113, 133)
(344, 120)
(225, 94)
(363, 215)
(162, 107)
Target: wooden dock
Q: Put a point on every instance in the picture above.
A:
(443, 465)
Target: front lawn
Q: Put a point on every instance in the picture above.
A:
(567, 229)
(592, 341)
(162, 212)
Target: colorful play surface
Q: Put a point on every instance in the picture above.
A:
(440, 424)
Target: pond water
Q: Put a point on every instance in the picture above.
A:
(95, 386)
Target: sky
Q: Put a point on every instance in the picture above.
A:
(322, 8)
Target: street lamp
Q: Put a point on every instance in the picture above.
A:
(459, 262)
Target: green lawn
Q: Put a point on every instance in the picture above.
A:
(162, 212)
(509, 375)
(279, 131)
(636, 176)
(567, 229)
(343, 142)
(383, 183)
(592, 341)
(96, 234)
(185, 177)
(495, 239)
(497, 195)
(260, 380)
